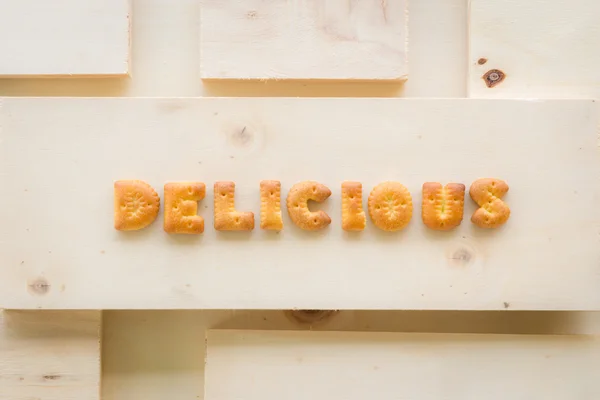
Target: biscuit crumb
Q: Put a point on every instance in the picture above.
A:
(270, 205)
(181, 207)
(390, 206)
(136, 205)
(227, 218)
(492, 211)
(353, 215)
(297, 205)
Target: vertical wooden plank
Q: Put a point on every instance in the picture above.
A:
(64, 37)
(50, 355)
(312, 39)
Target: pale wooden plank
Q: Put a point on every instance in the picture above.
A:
(60, 156)
(313, 39)
(64, 37)
(545, 48)
(264, 365)
(50, 355)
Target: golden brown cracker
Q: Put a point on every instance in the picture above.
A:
(270, 205)
(136, 205)
(181, 207)
(442, 206)
(227, 218)
(297, 205)
(492, 211)
(390, 206)
(353, 215)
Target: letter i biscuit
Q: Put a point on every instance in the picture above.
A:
(353, 215)
(270, 205)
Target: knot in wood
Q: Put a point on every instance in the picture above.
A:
(310, 316)
(493, 77)
(39, 286)
(461, 257)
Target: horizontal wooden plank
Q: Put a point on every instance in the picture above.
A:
(60, 156)
(544, 49)
(311, 39)
(64, 38)
(331, 365)
(50, 355)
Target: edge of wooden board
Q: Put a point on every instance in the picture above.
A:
(291, 333)
(255, 364)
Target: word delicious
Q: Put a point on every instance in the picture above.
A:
(390, 206)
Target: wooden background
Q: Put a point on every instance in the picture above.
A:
(38, 40)
(158, 354)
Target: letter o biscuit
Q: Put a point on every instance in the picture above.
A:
(390, 206)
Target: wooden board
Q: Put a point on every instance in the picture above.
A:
(60, 156)
(255, 365)
(64, 38)
(312, 39)
(50, 355)
(545, 48)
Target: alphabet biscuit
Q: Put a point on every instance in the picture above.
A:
(353, 215)
(487, 193)
(227, 218)
(181, 207)
(136, 205)
(442, 206)
(270, 205)
(297, 205)
(390, 206)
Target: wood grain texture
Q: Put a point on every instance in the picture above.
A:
(64, 38)
(50, 355)
(60, 156)
(545, 48)
(313, 39)
(294, 365)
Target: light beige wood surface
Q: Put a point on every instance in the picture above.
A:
(545, 48)
(166, 60)
(313, 39)
(358, 365)
(66, 153)
(147, 353)
(50, 355)
(153, 355)
(64, 37)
